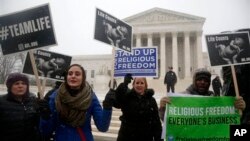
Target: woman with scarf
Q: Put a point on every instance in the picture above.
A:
(72, 106)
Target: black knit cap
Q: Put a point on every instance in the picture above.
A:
(14, 77)
(202, 73)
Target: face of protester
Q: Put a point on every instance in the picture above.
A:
(202, 85)
(74, 77)
(19, 88)
(140, 85)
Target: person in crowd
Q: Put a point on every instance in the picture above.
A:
(114, 84)
(140, 119)
(217, 86)
(200, 86)
(71, 108)
(243, 82)
(19, 118)
(170, 80)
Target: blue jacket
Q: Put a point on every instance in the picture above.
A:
(65, 132)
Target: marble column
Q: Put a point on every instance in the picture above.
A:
(138, 40)
(163, 55)
(175, 53)
(199, 50)
(186, 55)
(150, 40)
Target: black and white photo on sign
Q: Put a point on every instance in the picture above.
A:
(116, 34)
(228, 48)
(113, 31)
(47, 67)
(25, 30)
(49, 64)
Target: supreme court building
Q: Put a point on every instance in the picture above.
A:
(178, 38)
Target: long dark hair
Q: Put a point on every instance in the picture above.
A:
(83, 75)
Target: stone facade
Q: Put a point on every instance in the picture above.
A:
(177, 36)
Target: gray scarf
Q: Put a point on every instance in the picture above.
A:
(72, 109)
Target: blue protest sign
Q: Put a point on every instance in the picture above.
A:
(142, 61)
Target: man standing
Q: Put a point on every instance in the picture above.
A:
(170, 80)
(217, 86)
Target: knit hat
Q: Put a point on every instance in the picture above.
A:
(202, 73)
(14, 77)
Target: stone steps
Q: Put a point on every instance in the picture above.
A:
(114, 127)
(99, 136)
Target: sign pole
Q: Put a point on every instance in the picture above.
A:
(44, 86)
(236, 89)
(32, 59)
(112, 68)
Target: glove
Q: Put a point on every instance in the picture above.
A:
(127, 79)
(43, 108)
(109, 99)
(164, 100)
(239, 103)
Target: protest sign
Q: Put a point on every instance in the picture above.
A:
(200, 118)
(26, 30)
(142, 61)
(110, 30)
(49, 64)
(228, 48)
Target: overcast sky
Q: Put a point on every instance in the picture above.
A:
(74, 19)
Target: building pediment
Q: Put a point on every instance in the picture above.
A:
(159, 15)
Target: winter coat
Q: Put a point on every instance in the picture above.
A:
(19, 121)
(243, 81)
(191, 90)
(217, 86)
(139, 120)
(65, 132)
(170, 78)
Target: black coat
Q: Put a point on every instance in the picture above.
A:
(140, 119)
(243, 81)
(19, 121)
(170, 78)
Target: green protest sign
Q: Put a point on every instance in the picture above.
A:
(200, 118)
